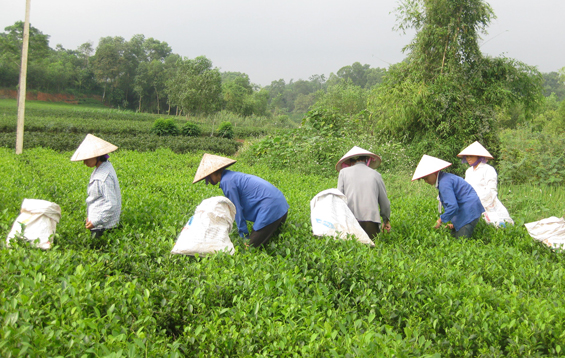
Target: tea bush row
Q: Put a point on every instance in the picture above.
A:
(66, 125)
(141, 142)
(168, 127)
(48, 117)
(419, 292)
(72, 112)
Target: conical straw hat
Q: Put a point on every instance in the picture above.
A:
(355, 152)
(429, 165)
(92, 147)
(475, 149)
(209, 164)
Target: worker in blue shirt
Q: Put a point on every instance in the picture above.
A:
(255, 199)
(462, 206)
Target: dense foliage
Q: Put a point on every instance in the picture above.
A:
(447, 92)
(165, 127)
(532, 157)
(191, 129)
(418, 292)
(225, 130)
(315, 147)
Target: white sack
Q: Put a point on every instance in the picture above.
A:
(550, 231)
(40, 218)
(497, 215)
(208, 230)
(331, 216)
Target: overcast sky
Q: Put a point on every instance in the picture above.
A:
(291, 39)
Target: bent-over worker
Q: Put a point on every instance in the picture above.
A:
(364, 189)
(462, 206)
(255, 199)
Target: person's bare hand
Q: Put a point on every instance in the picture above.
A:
(449, 226)
(438, 223)
(89, 225)
(387, 227)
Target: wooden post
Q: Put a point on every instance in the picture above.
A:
(22, 85)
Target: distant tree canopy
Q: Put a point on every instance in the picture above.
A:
(444, 84)
(195, 86)
(359, 75)
(554, 82)
(445, 95)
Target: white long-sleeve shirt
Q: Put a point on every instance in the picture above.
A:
(484, 180)
(104, 201)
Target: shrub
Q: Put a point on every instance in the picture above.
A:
(530, 157)
(165, 126)
(191, 129)
(315, 148)
(225, 130)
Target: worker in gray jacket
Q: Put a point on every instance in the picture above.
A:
(365, 190)
(104, 201)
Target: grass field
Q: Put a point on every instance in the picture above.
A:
(418, 292)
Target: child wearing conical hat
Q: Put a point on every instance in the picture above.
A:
(484, 179)
(255, 199)
(104, 201)
(364, 189)
(461, 204)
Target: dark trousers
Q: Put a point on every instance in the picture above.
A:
(371, 228)
(262, 236)
(95, 234)
(467, 230)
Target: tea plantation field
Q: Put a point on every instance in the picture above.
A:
(418, 292)
(62, 127)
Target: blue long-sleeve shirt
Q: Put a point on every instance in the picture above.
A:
(460, 202)
(255, 200)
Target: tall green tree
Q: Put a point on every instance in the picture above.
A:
(356, 73)
(11, 52)
(238, 93)
(109, 65)
(445, 95)
(195, 87)
(553, 82)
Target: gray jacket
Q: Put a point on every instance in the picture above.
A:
(365, 192)
(104, 201)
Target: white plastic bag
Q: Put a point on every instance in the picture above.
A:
(497, 215)
(550, 231)
(208, 230)
(331, 216)
(40, 218)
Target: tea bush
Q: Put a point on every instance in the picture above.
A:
(225, 130)
(165, 127)
(141, 143)
(191, 129)
(418, 292)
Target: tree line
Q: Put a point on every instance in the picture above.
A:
(143, 74)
